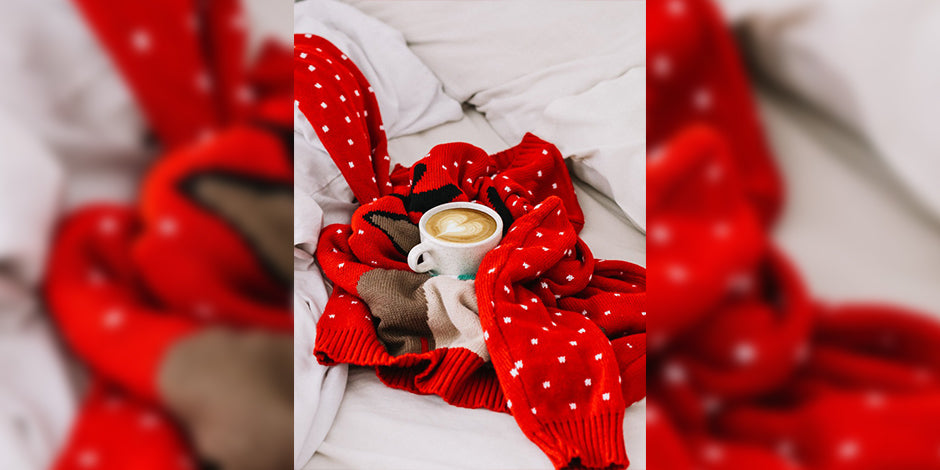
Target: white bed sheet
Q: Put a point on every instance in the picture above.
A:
(380, 427)
(853, 232)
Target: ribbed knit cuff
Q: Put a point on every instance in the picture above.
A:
(455, 374)
(587, 442)
(348, 346)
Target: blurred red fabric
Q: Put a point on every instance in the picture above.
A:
(746, 370)
(125, 283)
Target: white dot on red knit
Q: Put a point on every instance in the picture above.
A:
(662, 66)
(203, 82)
(675, 7)
(605, 397)
(141, 40)
(660, 234)
(573, 343)
(518, 364)
(96, 277)
(112, 319)
(714, 173)
(786, 449)
(721, 229)
(509, 404)
(677, 273)
(712, 453)
(245, 94)
(744, 353)
(507, 319)
(702, 99)
(848, 449)
(561, 359)
(303, 55)
(674, 373)
(350, 142)
(204, 310)
(587, 382)
(149, 420)
(318, 85)
(874, 399)
(87, 458)
(108, 225)
(544, 152)
(348, 120)
(534, 341)
(711, 404)
(573, 406)
(740, 283)
(168, 226)
(546, 384)
(513, 372)
(334, 76)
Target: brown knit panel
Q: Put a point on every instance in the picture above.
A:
(397, 299)
(403, 233)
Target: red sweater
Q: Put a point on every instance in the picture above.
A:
(565, 331)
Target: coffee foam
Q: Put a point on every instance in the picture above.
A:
(461, 225)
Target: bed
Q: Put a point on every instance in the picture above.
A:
(850, 227)
(369, 424)
(380, 427)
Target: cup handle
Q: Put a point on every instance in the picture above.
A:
(426, 264)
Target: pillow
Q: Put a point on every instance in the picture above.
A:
(870, 64)
(513, 60)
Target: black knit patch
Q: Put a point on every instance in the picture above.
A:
(500, 207)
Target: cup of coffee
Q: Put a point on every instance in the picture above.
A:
(454, 239)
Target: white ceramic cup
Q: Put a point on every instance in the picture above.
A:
(449, 258)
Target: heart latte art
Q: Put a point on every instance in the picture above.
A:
(461, 225)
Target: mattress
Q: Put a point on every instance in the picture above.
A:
(380, 427)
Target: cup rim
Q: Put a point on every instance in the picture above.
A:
(465, 205)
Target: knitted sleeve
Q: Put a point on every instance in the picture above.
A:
(553, 354)
(94, 297)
